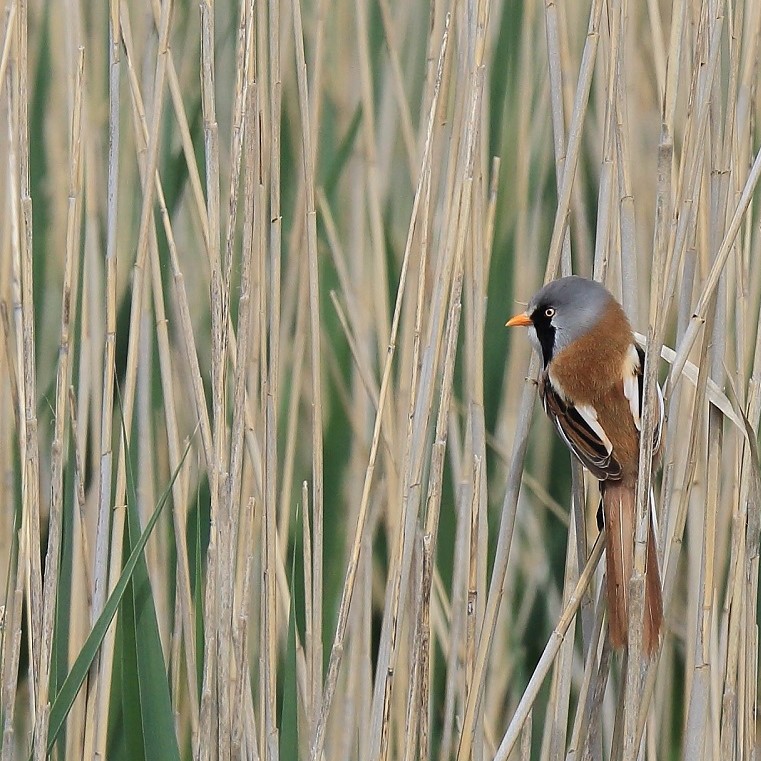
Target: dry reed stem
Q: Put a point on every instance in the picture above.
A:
(100, 575)
(308, 149)
(59, 449)
(25, 345)
(561, 681)
(270, 379)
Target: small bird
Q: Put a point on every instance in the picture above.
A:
(591, 387)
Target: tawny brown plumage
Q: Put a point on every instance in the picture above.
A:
(583, 391)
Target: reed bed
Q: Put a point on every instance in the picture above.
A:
(275, 487)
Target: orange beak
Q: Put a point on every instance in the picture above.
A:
(522, 320)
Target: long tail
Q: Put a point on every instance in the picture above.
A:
(619, 509)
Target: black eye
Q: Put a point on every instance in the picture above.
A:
(549, 312)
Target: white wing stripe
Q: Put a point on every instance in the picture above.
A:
(589, 414)
(631, 384)
(659, 422)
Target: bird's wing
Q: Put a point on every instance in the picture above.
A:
(579, 428)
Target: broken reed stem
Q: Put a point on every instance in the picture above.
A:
(308, 149)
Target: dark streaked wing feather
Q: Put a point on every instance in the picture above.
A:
(579, 437)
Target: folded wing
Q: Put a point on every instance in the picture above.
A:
(588, 445)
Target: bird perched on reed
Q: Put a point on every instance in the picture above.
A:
(591, 386)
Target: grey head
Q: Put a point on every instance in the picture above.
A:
(563, 311)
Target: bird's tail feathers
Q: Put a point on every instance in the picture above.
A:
(619, 509)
